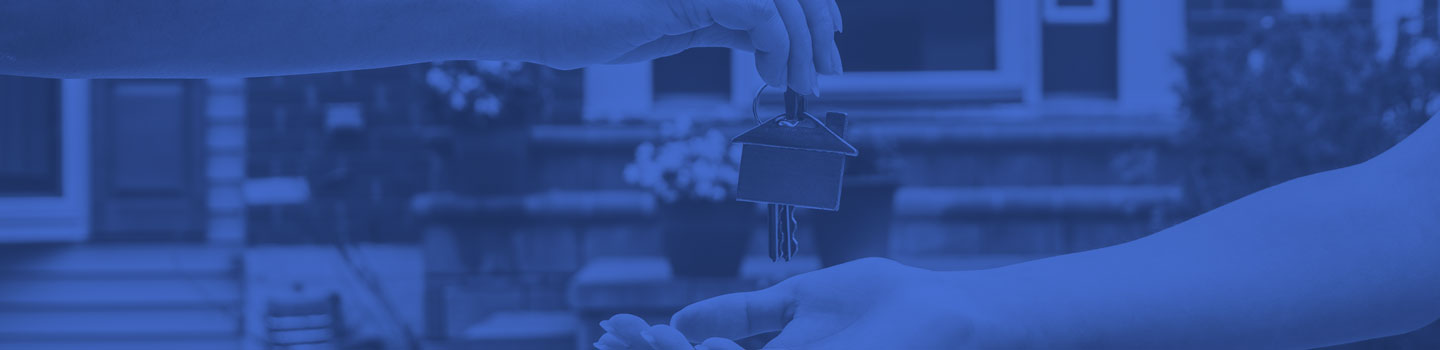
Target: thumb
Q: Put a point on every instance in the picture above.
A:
(738, 315)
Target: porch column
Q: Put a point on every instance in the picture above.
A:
(1150, 33)
(225, 160)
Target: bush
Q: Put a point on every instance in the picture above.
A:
(1295, 96)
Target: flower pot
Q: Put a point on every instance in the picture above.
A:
(862, 226)
(492, 161)
(706, 239)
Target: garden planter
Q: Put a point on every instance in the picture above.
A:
(706, 239)
(862, 226)
(492, 161)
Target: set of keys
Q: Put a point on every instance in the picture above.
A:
(790, 161)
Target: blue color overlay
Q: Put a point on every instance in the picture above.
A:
(720, 174)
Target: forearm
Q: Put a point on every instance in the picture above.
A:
(1330, 258)
(214, 38)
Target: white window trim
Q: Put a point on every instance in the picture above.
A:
(64, 218)
(1017, 68)
(1099, 12)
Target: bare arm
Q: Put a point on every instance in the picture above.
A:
(208, 38)
(793, 40)
(1330, 258)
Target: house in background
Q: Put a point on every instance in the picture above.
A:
(148, 213)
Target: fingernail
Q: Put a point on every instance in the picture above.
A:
(606, 326)
(613, 341)
(648, 338)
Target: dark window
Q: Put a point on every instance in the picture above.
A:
(1080, 60)
(1427, 16)
(29, 137)
(882, 35)
(702, 72)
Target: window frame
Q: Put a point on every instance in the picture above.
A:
(1015, 79)
(1096, 13)
(63, 218)
(1147, 71)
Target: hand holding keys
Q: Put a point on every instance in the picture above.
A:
(793, 160)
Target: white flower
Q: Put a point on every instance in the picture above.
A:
(711, 146)
(438, 79)
(1256, 61)
(632, 173)
(728, 175)
(1421, 50)
(645, 152)
(700, 167)
(671, 156)
(457, 100)
(684, 177)
(677, 128)
(468, 83)
(487, 106)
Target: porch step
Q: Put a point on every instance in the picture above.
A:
(169, 293)
(147, 322)
(117, 261)
(135, 296)
(125, 343)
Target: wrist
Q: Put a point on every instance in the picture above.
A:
(984, 305)
(503, 30)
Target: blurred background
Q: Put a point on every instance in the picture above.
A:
(498, 205)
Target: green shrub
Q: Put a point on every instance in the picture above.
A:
(1295, 96)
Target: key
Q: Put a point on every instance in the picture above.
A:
(781, 233)
(793, 160)
(793, 245)
(774, 231)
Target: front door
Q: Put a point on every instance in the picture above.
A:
(148, 180)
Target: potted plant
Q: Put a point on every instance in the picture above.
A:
(861, 228)
(488, 107)
(694, 174)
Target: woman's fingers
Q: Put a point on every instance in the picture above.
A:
(793, 40)
(835, 16)
(664, 337)
(802, 73)
(712, 36)
(768, 35)
(821, 19)
(610, 341)
(627, 327)
(737, 315)
(718, 344)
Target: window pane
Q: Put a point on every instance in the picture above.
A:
(883, 35)
(702, 71)
(29, 137)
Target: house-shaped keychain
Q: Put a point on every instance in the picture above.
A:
(793, 160)
(799, 162)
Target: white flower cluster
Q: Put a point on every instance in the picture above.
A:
(463, 84)
(704, 167)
